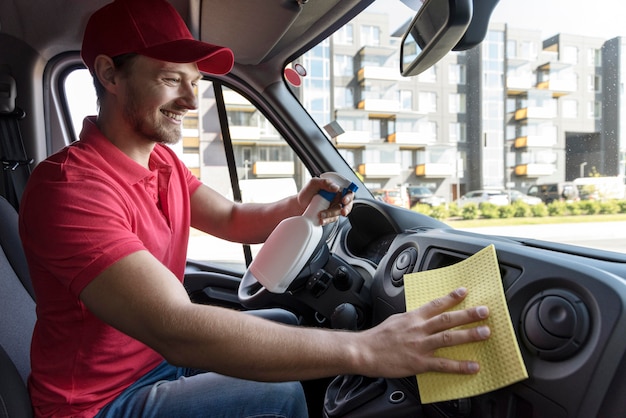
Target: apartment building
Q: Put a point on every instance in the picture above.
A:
(517, 110)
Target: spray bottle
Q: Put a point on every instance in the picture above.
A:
(293, 241)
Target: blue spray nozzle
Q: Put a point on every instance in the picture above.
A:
(330, 196)
(327, 195)
(351, 188)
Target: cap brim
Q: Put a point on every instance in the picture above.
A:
(210, 58)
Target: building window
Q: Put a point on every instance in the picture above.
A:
(458, 132)
(344, 35)
(456, 103)
(594, 110)
(275, 153)
(406, 99)
(406, 159)
(528, 50)
(427, 101)
(344, 97)
(511, 49)
(348, 155)
(370, 35)
(456, 74)
(594, 57)
(343, 66)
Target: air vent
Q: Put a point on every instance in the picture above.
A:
(404, 264)
(555, 324)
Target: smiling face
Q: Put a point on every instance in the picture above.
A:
(158, 94)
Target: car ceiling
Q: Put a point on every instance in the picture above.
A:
(256, 30)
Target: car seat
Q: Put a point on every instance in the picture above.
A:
(15, 163)
(17, 317)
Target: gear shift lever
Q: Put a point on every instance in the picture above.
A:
(344, 317)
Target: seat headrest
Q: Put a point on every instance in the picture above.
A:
(8, 92)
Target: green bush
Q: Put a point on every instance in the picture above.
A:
(440, 212)
(622, 206)
(469, 211)
(587, 207)
(454, 210)
(507, 211)
(557, 208)
(521, 209)
(422, 208)
(539, 211)
(574, 208)
(488, 210)
(609, 207)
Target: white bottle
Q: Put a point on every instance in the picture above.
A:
(294, 240)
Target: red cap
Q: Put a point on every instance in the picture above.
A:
(152, 28)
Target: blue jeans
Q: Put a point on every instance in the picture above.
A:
(169, 391)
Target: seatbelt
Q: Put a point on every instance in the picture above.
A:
(230, 156)
(15, 163)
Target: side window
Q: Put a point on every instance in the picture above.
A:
(265, 167)
(81, 98)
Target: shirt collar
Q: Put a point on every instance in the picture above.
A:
(131, 171)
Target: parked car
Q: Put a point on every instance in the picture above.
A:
(549, 192)
(392, 196)
(422, 194)
(496, 197)
(517, 196)
(601, 188)
(265, 119)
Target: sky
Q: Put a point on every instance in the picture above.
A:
(582, 17)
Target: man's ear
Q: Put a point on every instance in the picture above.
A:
(104, 69)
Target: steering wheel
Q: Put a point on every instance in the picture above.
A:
(254, 295)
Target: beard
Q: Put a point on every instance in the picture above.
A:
(148, 125)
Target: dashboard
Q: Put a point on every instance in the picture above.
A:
(567, 306)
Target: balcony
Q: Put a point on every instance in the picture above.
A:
(273, 169)
(535, 113)
(535, 141)
(517, 85)
(558, 87)
(534, 170)
(410, 138)
(379, 170)
(380, 105)
(354, 138)
(379, 73)
(243, 133)
(434, 170)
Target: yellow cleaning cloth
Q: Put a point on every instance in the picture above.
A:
(500, 360)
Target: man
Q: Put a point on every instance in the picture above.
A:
(105, 224)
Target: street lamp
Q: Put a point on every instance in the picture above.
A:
(582, 169)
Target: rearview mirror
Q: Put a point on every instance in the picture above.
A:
(436, 29)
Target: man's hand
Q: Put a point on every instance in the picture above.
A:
(340, 206)
(410, 339)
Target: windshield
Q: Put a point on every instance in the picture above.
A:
(538, 102)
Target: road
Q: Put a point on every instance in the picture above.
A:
(603, 235)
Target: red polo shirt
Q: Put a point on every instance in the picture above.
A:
(85, 208)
